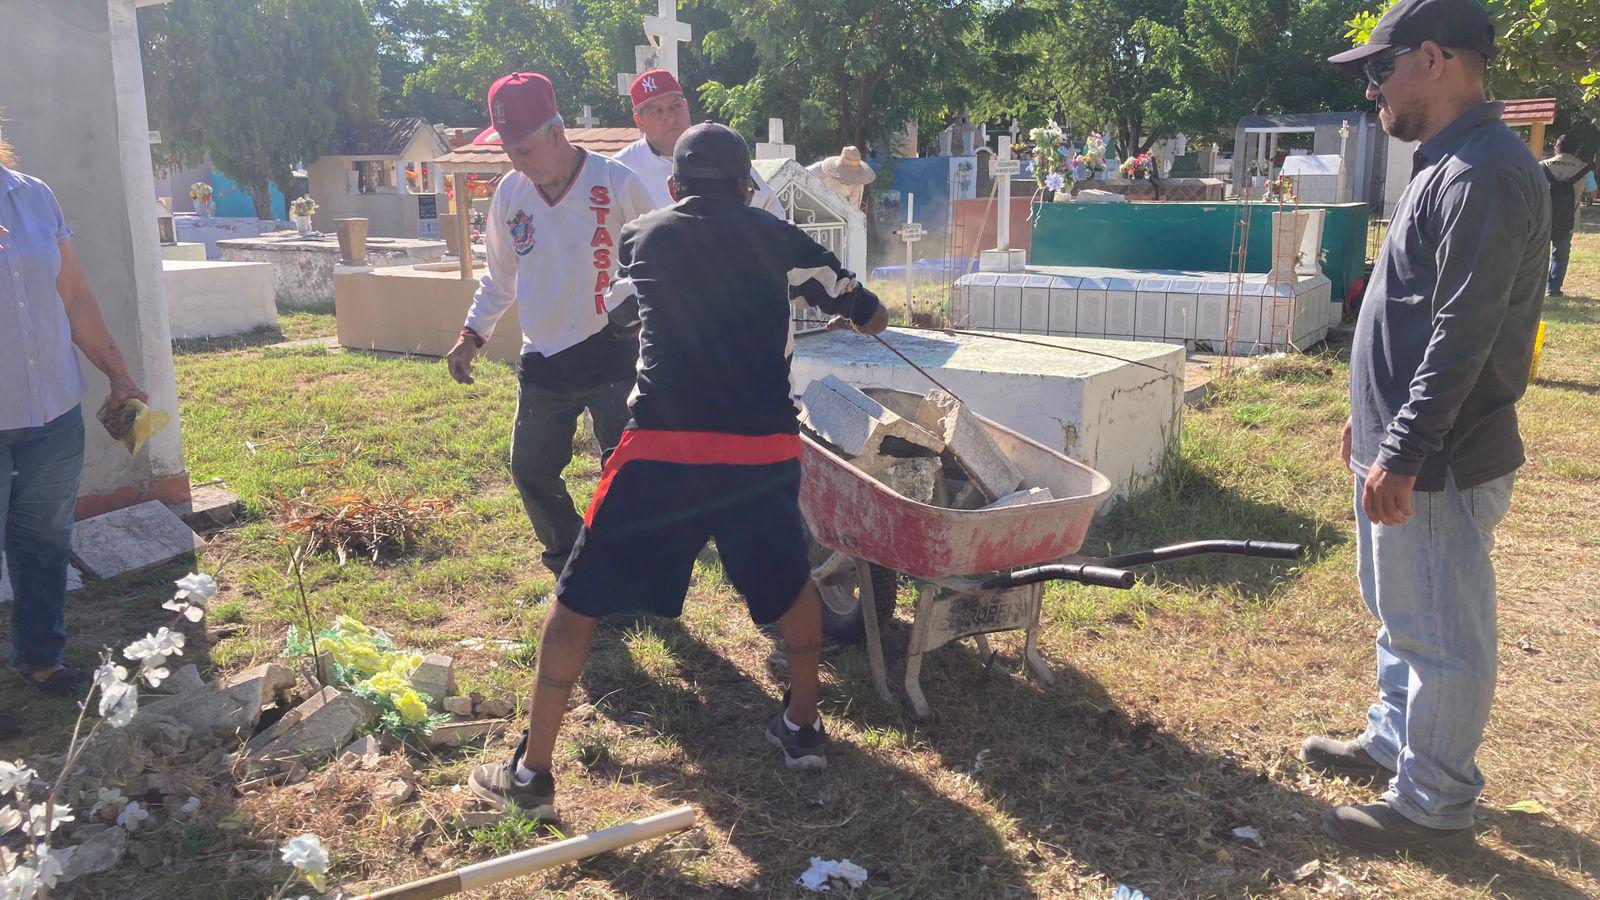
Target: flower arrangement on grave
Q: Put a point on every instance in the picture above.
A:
(303, 206)
(1280, 190)
(1137, 166)
(200, 192)
(367, 663)
(411, 179)
(1049, 156)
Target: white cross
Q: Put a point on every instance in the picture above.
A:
(1015, 130)
(910, 233)
(587, 120)
(774, 148)
(1344, 135)
(666, 33)
(1002, 169)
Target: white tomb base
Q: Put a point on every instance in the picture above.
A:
(1120, 417)
(212, 299)
(1176, 307)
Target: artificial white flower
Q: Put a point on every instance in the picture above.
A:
(155, 648)
(190, 806)
(191, 611)
(50, 863)
(21, 883)
(118, 703)
(108, 797)
(10, 818)
(14, 776)
(154, 675)
(132, 815)
(196, 586)
(306, 854)
(108, 674)
(38, 826)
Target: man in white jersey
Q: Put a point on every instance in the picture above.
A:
(551, 238)
(661, 112)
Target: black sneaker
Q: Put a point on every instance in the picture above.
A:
(803, 749)
(1379, 828)
(497, 784)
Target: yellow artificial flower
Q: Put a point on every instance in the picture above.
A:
(402, 664)
(411, 707)
(389, 684)
(355, 626)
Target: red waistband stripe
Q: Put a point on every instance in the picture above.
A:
(694, 448)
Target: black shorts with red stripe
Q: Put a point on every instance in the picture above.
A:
(662, 495)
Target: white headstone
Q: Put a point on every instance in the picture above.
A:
(774, 148)
(587, 120)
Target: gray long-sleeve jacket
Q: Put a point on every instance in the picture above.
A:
(1445, 337)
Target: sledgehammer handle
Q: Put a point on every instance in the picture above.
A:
(525, 862)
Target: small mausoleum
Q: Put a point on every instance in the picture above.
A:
(383, 172)
(1262, 144)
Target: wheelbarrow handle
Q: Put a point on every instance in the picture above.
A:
(1258, 549)
(1099, 576)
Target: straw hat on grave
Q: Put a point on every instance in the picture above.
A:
(847, 168)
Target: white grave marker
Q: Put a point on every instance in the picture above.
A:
(587, 120)
(910, 233)
(774, 148)
(665, 33)
(1002, 258)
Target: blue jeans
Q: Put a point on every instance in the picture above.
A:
(1430, 584)
(1560, 252)
(39, 469)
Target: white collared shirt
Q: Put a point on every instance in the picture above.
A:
(654, 169)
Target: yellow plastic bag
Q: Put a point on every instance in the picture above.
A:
(133, 423)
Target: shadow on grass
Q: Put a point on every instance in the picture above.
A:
(259, 337)
(1187, 504)
(1572, 309)
(1566, 384)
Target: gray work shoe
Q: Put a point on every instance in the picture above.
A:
(1379, 828)
(496, 783)
(1344, 758)
(803, 749)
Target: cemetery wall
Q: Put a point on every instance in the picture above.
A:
(1187, 236)
(83, 55)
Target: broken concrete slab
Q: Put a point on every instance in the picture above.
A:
(458, 706)
(132, 538)
(454, 734)
(969, 442)
(316, 729)
(391, 792)
(963, 494)
(495, 709)
(210, 507)
(185, 678)
(857, 424)
(436, 677)
(231, 706)
(362, 752)
(1024, 496)
(914, 479)
(74, 580)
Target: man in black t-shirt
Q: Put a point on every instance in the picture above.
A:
(712, 448)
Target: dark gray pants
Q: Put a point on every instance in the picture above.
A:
(541, 447)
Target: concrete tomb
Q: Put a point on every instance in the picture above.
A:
(303, 265)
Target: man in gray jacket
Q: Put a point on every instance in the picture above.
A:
(1442, 350)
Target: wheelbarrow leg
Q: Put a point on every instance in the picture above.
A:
(869, 618)
(983, 646)
(1030, 647)
(919, 636)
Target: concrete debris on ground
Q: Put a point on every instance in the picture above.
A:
(210, 507)
(135, 537)
(458, 706)
(932, 450)
(436, 677)
(362, 753)
(100, 851)
(454, 734)
(314, 730)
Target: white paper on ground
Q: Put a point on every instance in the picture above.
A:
(823, 871)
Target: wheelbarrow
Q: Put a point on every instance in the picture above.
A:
(979, 571)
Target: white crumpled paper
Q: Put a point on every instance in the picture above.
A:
(823, 871)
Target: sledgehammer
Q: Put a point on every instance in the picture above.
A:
(504, 868)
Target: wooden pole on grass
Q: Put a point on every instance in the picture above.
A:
(504, 868)
(464, 224)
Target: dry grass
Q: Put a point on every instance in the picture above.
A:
(1174, 720)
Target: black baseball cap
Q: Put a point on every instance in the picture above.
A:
(1462, 24)
(709, 150)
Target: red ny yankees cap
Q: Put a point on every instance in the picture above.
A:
(519, 104)
(652, 84)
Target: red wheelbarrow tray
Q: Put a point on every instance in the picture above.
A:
(852, 512)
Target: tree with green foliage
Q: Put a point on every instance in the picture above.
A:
(412, 36)
(259, 85)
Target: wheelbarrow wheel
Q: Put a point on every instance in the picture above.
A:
(841, 602)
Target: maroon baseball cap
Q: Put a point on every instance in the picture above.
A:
(652, 84)
(519, 104)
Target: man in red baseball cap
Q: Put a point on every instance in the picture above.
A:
(661, 112)
(550, 240)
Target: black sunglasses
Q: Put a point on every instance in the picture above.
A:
(1378, 70)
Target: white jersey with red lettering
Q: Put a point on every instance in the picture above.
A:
(654, 170)
(555, 256)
